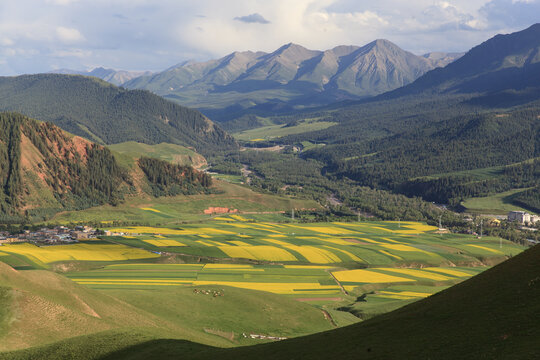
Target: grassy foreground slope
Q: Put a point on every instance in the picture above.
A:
(491, 316)
(40, 307)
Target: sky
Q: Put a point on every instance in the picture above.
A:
(44, 35)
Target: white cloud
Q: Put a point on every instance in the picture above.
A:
(5, 41)
(153, 35)
(61, 2)
(69, 35)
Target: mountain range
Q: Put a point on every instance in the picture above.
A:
(115, 77)
(504, 63)
(289, 77)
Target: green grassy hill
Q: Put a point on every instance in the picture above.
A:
(186, 208)
(172, 153)
(41, 307)
(490, 316)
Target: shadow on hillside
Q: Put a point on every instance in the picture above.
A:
(160, 349)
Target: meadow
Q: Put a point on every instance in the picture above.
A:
(175, 210)
(500, 203)
(334, 290)
(276, 131)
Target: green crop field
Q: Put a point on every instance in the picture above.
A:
(495, 204)
(275, 131)
(176, 154)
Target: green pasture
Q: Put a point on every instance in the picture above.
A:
(184, 208)
(275, 131)
(495, 204)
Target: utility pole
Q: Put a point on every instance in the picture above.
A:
(481, 227)
(358, 216)
(398, 222)
(292, 213)
(440, 224)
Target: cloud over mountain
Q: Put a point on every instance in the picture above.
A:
(253, 18)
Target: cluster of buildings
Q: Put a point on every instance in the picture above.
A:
(523, 217)
(58, 234)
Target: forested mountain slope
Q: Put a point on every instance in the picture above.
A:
(108, 114)
(502, 63)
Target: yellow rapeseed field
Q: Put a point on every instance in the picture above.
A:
(337, 241)
(333, 230)
(367, 276)
(485, 248)
(391, 255)
(239, 218)
(204, 243)
(239, 243)
(410, 294)
(150, 209)
(82, 252)
(269, 253)
(241, 226)
(277, 242)
(216, 243)
(348, 253)
(222, 219)
(315, 255)
(371, 241)
(277, 288)
(227, 266)
(403, 247)
(449, 271)
(418, 273)
(164, 242)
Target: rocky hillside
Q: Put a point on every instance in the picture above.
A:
(292, 74)
(44, 170)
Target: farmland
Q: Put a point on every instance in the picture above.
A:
(317, 275)
(365, 244)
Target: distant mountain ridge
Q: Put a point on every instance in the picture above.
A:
(115, 77)
(291, 75)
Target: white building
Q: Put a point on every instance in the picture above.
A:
(522, 217)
